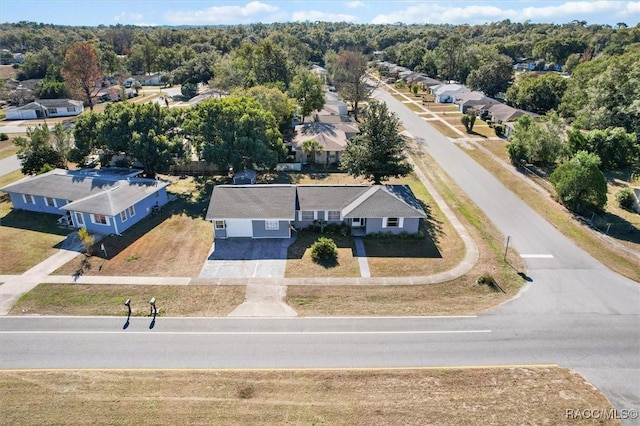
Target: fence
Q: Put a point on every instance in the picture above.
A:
(607, 226)
(194, 168)
(295, 167)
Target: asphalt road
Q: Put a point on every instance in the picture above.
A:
(9, 164)
(575, 313)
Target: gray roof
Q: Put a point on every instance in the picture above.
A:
(279, 201)
(328, 197)
(385, 201)
(252, 202)
(328, 136)
(89, 191)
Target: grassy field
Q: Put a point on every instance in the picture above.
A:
(496, 396)
(7, 149)
(26, 238)
(108, 300)
(444, 129)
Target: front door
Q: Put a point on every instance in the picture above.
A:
(79, 220)
(358, 222)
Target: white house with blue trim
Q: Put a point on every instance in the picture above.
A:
(105, 201)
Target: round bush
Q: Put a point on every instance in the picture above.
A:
(323, 250)
(625, 198)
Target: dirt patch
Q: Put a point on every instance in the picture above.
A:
(496, 396)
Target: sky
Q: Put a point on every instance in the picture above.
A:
(225, 12)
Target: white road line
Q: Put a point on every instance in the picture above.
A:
(536, 256)
(247, 333)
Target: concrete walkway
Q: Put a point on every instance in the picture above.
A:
(362, 258)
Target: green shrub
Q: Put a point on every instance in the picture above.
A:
(4, 137)
(499, 128)
(625, 198)
(324, 250)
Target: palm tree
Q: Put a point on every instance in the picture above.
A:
(311, 148)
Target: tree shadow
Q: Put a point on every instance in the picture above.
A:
(474, 133)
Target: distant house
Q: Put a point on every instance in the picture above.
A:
(45, 108)
(148, 79)
(105, 201)
(476, 100)
(331, 137)
(502, 113)
(274, 211)
(446, 93)
(423, 80)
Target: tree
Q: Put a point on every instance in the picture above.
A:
(580, 183)
(189, 90)
(311, 148)
(36, 153)
(468, 120)
(615, 147)
(537, 142)
(81, 72)
(307, 90)
(492, 77)
(537, 93)
(86, 136)
(235, 132)
(323, 250)
(450, 55)
(377, 153)
(87, 241)
(349, 77)
(61, 142)
(272, 99)
(149, 144)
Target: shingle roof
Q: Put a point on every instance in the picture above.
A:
(279, 201)
(252, 202)
(49, 103)
(89, 191)
(328, 197)
(385, 201)
(328, 136)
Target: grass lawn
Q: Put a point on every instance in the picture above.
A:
(414, 107)
(175, 242)
(7, 151)
(300, 264)
(108, 300)
(442, 108)
(453, 396)
(26, 238)
(444, 129)
(10, 178)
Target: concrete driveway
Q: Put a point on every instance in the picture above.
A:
(247, 258)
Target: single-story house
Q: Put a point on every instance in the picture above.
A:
(105, 201)
(45, 108)
(331, 137)
(502, 113)
(446, 93)
(475, 100)
(275, 211)
(423, 80)
(148, 79)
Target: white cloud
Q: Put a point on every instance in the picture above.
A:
(254, 11)
(314, 15)
(355, 4)
(128, 17)
(440, 12)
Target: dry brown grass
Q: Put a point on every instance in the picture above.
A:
(300, 264)
(496, 396)
(26, 238)
(444, 129)
(108, 300)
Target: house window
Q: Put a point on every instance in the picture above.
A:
(79, 219)
(219, 224)
(271, 225)
(53, 110)
(392, 222)
(28, 199)
(333, 215)
(306, 215)
(71, 109)
(50, 202)
(123, 215)
(132, 211)
(100, 219)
